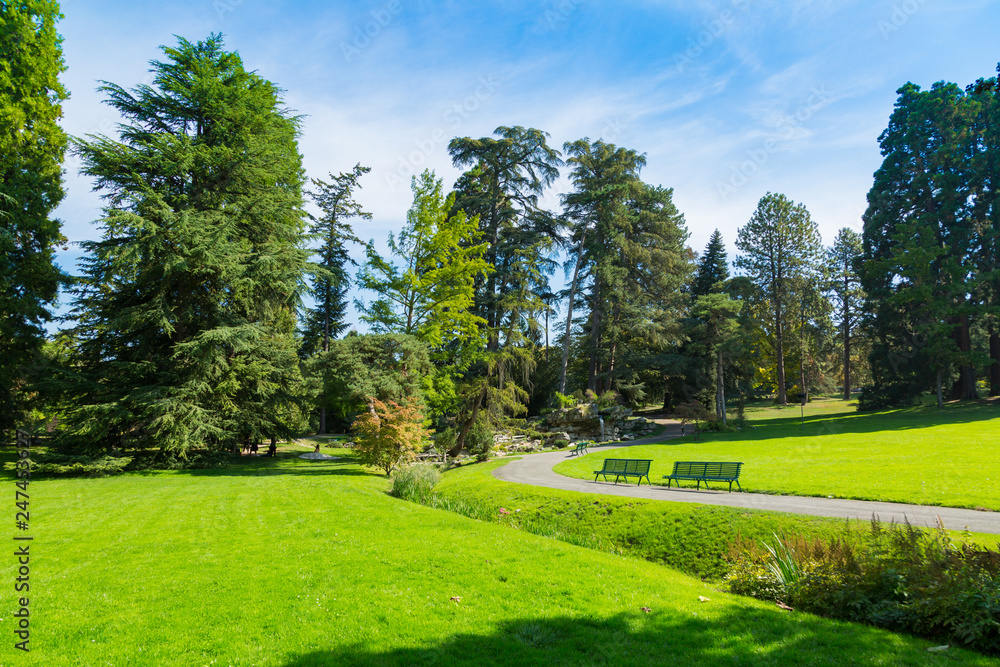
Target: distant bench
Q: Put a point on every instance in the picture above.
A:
(626, 468)
(706, 471)
(581, 447)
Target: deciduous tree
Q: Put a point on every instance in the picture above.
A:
(32, 145)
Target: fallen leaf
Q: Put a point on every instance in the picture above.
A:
(456, 599)
(702, 598)
(646, 609)
(782, 605)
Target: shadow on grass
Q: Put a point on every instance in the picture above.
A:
(344, 464)
(661, 637)
(859, 423)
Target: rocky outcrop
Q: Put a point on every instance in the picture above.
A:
(587, 422)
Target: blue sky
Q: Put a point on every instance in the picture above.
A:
(729, 99)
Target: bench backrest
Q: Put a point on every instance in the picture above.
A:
(615, 465)
(723, 469)
(637, 466)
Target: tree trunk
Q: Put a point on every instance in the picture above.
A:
(720, 391)
(569, 318)
(995, 364)
(964, 388)
(940, 398)
(780, 348)
(595, 335)
(460, 440)
(847, 338)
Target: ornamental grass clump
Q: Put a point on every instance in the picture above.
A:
(897, 577)
(415, 483)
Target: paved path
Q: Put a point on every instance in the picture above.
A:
(536, 469)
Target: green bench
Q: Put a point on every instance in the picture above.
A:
(706, 471)
(626, 468)
(581, 447)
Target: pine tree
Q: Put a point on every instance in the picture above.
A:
(32, 146)
(713, 269)
(330, 279)
(780, 246)
(187, 309)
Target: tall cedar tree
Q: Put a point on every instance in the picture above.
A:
(330, 282)
(842, 260)
(628, 257)
(780, 247)
(508, 175)
(328, 318)
(32, 146)
(985, 166)
(713, 268)
(919, 232)
(187, 309)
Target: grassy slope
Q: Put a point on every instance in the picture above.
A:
(305, 563)
(917, 455)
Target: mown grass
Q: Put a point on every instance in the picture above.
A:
(291, 562)
(918, 455)
(699, 540)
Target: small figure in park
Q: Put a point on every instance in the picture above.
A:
(253, 449)
(273, 449)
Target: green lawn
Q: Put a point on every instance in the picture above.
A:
(291, 562)
(917, 455)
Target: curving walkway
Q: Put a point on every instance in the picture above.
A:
(536, 469)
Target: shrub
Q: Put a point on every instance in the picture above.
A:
(479, 440)
(896, 577)
(565, 401)
(560, 443)
(389, 434)
(415, 483)
(68, 465)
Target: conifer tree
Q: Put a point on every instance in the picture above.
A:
(327, 319)
(713, 269)
(186, 313)
(32, 146)
(780, 247)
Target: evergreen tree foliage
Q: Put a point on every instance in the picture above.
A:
(507, 175)
(629, 262)
(356, 368)
(186, 312)
(920, 233)
(32, 146)
(719, 329)
(330, 283)
(713, 268)
(780, 248)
